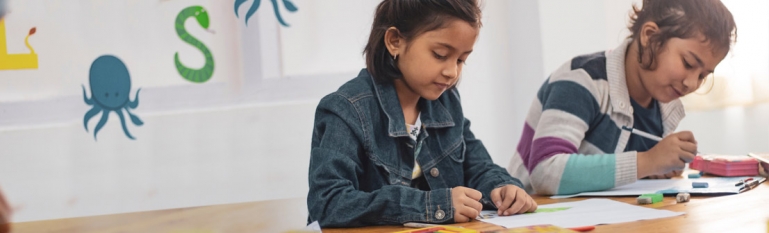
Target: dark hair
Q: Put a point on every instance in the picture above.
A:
(411, 18)
(682, 19)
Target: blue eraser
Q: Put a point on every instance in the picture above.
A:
(694, 175)
(699, 184)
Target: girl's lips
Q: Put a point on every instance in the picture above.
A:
(678, 94)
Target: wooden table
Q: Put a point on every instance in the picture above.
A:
(746, 212)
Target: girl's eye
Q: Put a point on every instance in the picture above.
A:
(686, 65)
(460, 61)
(438, 56)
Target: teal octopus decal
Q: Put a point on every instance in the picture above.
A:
(286, 3)
(110, 85)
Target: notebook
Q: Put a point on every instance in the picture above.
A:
(716, 185)
(726, 165)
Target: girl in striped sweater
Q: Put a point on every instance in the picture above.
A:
(573, 139)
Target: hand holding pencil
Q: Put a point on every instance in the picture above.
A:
(669, 155)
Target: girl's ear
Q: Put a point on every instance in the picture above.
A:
(394, 41)
(648, 29)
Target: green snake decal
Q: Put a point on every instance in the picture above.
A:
(194, 75)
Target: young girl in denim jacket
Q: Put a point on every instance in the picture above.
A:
(392, 145)
(576, 136)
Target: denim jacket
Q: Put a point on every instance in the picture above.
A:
(362, 158)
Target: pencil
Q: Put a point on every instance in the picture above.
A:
(645, 134)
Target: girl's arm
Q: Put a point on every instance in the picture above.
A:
(336, 175)
(481, 173)
(568, 109)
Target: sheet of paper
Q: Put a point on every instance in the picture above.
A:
(724, 185)
(314, 226)
(580, 213)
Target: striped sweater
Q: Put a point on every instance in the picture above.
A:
(572, 139)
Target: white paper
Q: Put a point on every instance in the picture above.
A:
(314, 226)
(724, 185)
(581, 213)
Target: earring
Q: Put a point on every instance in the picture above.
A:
(392, 67)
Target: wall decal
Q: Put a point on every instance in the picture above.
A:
(288, 4)
(110, 85)
(194, 75)
(16, 61)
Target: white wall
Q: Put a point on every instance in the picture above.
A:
(503, 74)
(732, 131)
(571, 28)
(331, 50)
(203, 157)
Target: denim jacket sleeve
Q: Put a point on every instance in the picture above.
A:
(481, 173)
(336, 173)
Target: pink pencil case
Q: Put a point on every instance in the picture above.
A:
(726, 165)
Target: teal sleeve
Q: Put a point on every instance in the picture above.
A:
(584, 173)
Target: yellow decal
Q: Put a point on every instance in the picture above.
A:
(16, 61)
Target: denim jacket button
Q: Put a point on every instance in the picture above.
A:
(434, 172)
(439, 214)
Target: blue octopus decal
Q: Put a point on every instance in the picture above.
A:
(110, 86)
(288, 4)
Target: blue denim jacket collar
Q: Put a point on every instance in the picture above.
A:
(433, 113)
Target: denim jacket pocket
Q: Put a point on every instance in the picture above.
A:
(457, 153)
(393, 176)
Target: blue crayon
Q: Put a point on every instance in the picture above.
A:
(699, 184)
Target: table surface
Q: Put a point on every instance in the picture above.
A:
(746, 212)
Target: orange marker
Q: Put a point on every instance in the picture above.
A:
(428, 230)
(583, 229)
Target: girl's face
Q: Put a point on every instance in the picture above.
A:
(681, 66)
(431, 62)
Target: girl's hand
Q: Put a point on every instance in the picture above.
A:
(511, 199)
(667, 176)
(467, 205)
(670, 154)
